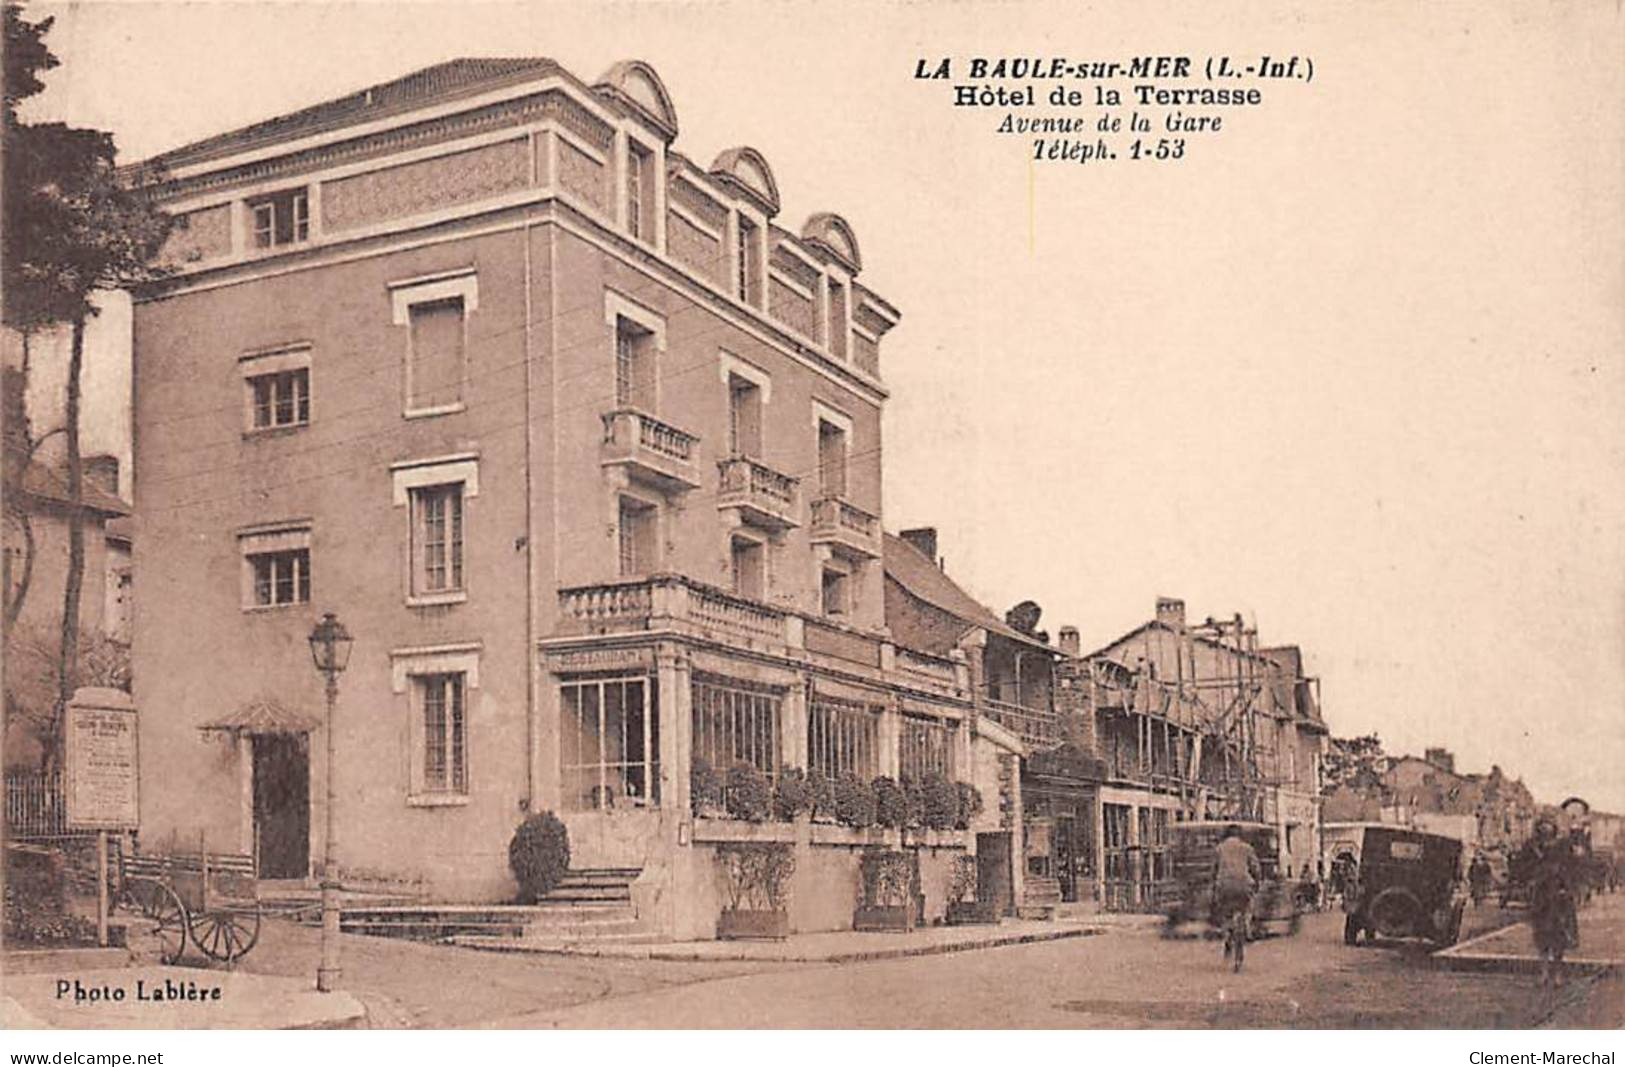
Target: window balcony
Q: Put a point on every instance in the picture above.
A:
(1038, 728)
(762, 496)
(845, 527)
(649, 450)
(669, 602)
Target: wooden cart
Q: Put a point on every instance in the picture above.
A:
(209, 898)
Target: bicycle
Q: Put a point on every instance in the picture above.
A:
(1234, 931)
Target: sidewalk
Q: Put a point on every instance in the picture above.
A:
(167, 998)
(841, 946)
(1511, 949)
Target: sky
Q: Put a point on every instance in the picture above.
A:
(1352, 367)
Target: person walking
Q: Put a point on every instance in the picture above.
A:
(1236, 874)
(1552, 899)
(1478, 878)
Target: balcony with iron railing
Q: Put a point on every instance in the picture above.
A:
(650, 450)
(845, 527)
(1038, 728)
(761, 495)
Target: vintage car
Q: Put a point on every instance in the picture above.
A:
(1276, 906)
(1409, 885)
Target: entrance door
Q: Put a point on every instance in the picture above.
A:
(282, 804)
(995, 879)
(1066, 871)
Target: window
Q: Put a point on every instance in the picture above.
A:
(639, 191)
(281, 577)
(609, 743)
(925, 746)
(748, 558)
(842, 737)
(435, 374)
(736, 722)
(637, 533)
(440, 699)
(437, 539)
(831, 459)
(634, 366)
(835, 334)
(281, 218)
(748, 258)
(281, 399)
(744, 417)
(835, 595)
(276, 565)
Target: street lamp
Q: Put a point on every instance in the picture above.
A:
(330, 649)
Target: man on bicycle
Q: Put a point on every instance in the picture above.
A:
(1236, 874)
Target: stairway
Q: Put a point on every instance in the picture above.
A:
(1040, 898)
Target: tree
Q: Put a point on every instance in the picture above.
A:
(73, 225)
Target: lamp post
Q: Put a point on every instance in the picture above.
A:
(330, 649)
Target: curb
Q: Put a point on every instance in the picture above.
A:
(680, 956)
(1462, 958)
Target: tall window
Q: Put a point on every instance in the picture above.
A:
(281, 577)
(610, 743)
(736, 722)
(637, 537)
(445, 749)
(639, 191)
(748, 559)
(831, 459)
(435, 375)
(842, 737)
(925, 746)
(280, 399)
(437, 538)
(835, 593)
(744, 417)
(281, 218)
(634, 366)
(749, 262)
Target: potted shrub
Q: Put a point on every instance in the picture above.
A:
(792, 795)
(887, 883)
(539, 855)
(821, 796)
(963, 907)
(940, 803)
(970, 805)
(756, 885)
(854, 802)
(749, 794)
(705, 787)
(891, 803)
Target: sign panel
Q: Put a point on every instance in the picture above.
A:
(101, 784)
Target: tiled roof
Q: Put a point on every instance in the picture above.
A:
(44, 483)
(266, 715)
(923, 579)
(443, 81)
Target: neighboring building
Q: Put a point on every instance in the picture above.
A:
(583, 448)
(1193, 722)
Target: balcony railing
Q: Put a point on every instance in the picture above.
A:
(651, 450)
(845, 525)
(1037, 727)
(666, 599)
(927, 668)
(763, 495)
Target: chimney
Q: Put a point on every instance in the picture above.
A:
(923, 538)
(1441, 758)
(102, 472)
(1171, 610)
(1070, 644)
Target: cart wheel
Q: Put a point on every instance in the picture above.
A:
(165, 915)
(226, 935)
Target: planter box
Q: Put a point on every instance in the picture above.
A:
(972, 912)
(735, 925)
(885, 917)
(713, 830)
(830, 834)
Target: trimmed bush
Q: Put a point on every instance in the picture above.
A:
(704, 788)
(539, 855)
(756, 874)
(792, 796)
(891, 803)
(885, 876)
(962, 879)
(854, 801)
(821, 794)
(749, 795)
(970, 805)
(939, 803)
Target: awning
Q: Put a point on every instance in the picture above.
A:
(265, 715)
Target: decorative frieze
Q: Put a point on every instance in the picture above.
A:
(426, 185)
